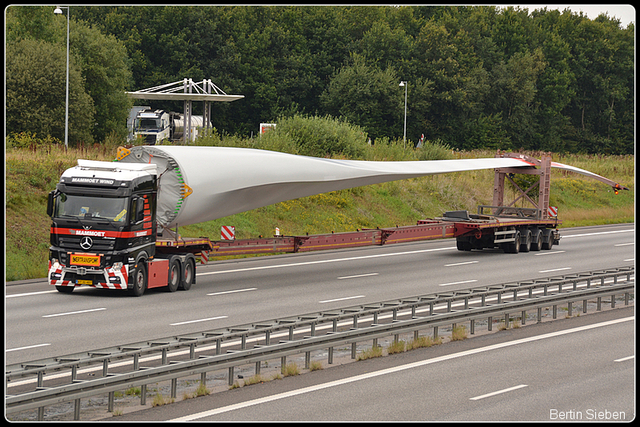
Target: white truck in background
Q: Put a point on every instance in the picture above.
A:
(156, 127)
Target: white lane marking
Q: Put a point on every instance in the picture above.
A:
(395, 369)
(461, 263)
(341, 299)
(358, 275)
(597, 233)
(506, 390)
(233, 292)
(27, 347)
(549, 253)
(30, 293)
(457, 283)
(298, 264)
(198, 320)
(625, 244)
(74, 312)
(554, 269)
(624, 359)
(630, 259)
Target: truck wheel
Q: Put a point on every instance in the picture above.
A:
(547, 239)
(175, 275)
(188, 275)
(513, 247)
(536, 239)
(463, 245)
(65, 289)
(526, 246)
(139, 280)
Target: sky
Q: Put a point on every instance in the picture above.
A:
(626, 13)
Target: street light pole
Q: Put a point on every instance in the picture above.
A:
(58, 11)
(405, 84)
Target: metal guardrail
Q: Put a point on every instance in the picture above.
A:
(475, 303)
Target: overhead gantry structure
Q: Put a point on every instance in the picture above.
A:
(188, 91)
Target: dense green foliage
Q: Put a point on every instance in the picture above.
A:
(478, 77)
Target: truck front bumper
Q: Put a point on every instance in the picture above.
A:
(106, 278)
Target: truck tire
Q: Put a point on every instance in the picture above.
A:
(188, 274)
(65, 289)
(139, 280)
(526, 246)
(175, 274)
(513, 247)
(547, 239)
(463, 245)
(536, 239)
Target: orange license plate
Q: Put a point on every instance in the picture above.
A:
(85, 259)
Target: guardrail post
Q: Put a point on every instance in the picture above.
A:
(613, 301)
(435, 332)
(74, 373)
(267, 337)
(76, 410)
(219, 346)
(164, 356)
(506, 320)
(584, 306)
(490, 323)
(258, 368)
(283, 364)
(105, 367)
(472, 326)
(230, 376)
(174, 387)
(539, 314)
(570, 308)
(192, 351)
(555, 311)
(330, 357)
(110, 401)
(524, 317)
(599, 304)
(136, 362)
(143, 394)
(203, 379)
(626, 298)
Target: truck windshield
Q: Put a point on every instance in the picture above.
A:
(84, 207)
(142, 124)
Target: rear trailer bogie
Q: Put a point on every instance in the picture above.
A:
(511, 239)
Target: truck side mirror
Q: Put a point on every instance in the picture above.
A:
(50, 199)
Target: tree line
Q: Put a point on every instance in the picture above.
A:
(477, 77)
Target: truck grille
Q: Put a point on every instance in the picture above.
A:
(73, 243)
